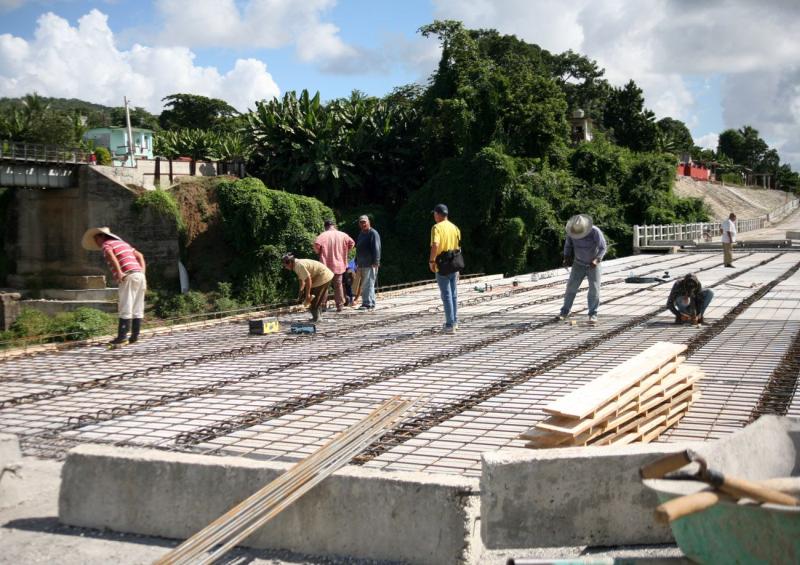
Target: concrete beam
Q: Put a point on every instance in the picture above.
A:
(593, 495)
(366, 513)
(570, 496)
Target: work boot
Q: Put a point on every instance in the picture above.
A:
(122, 332)
(136, 326)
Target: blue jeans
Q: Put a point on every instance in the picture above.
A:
(448, 291)
(576, 276)
(683, 308)
(368, 277)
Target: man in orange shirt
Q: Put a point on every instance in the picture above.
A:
(333, 247)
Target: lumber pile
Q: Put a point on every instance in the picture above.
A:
(637, 400)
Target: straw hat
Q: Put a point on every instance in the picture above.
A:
(88, 242)
(579, 226)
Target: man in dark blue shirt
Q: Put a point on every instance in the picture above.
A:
(368, 259)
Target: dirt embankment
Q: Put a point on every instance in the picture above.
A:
(746, 203)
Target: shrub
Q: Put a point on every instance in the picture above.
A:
(31, 323)
(161, 202)
(103, 156)
(83, 323)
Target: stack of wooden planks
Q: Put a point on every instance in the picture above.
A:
(635, 401)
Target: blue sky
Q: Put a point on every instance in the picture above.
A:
(709, 64)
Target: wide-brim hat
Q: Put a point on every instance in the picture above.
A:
(579, 226)
(88, 242)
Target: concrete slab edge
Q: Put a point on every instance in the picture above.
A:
(366, 513)
(10, 458)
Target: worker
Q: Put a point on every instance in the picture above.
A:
(332, 247)
(315, 278)
(728, 229)
(128, 269)
(688, 301)
(368, 261)
(584, 249)
(445, 238)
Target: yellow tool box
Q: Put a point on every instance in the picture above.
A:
(264, 326)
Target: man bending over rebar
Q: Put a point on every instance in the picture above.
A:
(688, 301)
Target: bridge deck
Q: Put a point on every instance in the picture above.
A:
(218, 390)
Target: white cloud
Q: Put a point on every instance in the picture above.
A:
(84, 62)
(660, 43)
(708, 141)
(260, 24)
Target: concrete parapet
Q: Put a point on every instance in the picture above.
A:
(570, 496)
(413, 517)
(9, 308)
(10, 457)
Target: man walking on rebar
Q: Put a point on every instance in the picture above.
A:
(728, 228)
(584, 249)
(128, 268)
(315, 278)
(332, 246)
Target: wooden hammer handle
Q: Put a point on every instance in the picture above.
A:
(739, 488)
(685, 505)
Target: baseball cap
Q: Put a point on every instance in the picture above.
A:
(363, 218)
(440, 209)
(330, 222)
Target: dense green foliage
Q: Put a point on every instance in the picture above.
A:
(161, 202)
(82, 323)
(260, 225)
(103, 156)
(192, 111)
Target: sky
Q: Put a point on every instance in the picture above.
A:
(715, 64)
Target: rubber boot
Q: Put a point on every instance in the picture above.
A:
(122, 332)
(136, 326)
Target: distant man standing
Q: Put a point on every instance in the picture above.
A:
(315, 278)
(584, 249)
(445, 236)
(368, 260)
(728, 228)
(688, 301)
(128, 269)
(332, 247)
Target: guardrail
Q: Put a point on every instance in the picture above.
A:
(42, 153)
(644, 236)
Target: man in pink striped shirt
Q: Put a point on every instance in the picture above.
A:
(333, 246)
(128, 268)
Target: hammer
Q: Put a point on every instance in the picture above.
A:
(728, 487)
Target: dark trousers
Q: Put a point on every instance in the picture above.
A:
(319, 296)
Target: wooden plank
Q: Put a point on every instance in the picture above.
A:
(637, 412)
(672, 373)
(639, 423)
(585, 400)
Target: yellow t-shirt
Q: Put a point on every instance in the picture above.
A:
(319, 273)
(447, 235)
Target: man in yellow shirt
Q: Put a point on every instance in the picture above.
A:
(445, 236)
(314, 281)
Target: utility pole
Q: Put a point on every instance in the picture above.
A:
(130, 132)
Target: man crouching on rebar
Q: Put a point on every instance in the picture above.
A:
(128, 267)
(688, 301)
(315, 278)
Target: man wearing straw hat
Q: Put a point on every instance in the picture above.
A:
(128, 268)
(584, 248)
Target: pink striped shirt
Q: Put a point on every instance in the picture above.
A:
(125, 256)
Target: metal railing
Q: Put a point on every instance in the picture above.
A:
(644, 236)
(42, 153)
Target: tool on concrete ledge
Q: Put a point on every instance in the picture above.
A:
(728, 487)
(303, 328)
(264, 326)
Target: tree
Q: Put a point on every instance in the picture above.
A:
(140, 118)
(673, 136)
(627, 120)
(192, 111)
